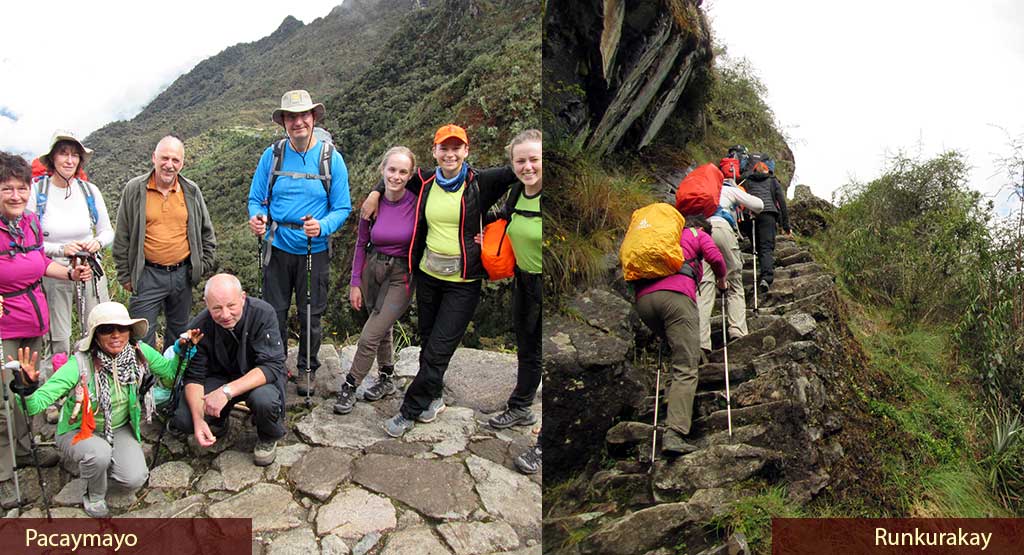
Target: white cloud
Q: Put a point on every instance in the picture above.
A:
(851, 82)
(80, 65)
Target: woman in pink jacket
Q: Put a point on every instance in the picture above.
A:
(668, 306)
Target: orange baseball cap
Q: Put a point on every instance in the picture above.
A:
(449, 131)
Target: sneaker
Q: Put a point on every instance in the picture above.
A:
(530, 461)
(346, 399)
(673, 445)
(436, 407)
(384, 387)
(8, 497)
(48, 456)
(513, 417)
(397, 425)
(95, 509)
(300, 384)
(264, 453)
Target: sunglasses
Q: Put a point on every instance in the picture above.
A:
(106, 329)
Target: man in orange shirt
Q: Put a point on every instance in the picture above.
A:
(164, 243)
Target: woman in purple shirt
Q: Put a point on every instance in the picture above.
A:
(380, 280)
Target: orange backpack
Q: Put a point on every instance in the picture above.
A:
(651, 247)
(496, 251)
(699, 191)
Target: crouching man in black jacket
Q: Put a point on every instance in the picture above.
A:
(240, 358)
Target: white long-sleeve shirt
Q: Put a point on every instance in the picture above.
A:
(67, 217)
(733, 196)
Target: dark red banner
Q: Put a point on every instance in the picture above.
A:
(903, 536)
(126, 536)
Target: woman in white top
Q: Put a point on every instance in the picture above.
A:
(74, 218)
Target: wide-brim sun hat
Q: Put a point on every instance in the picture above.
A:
(64, 135)
(296, 102)
(112, 313)
(446, 132)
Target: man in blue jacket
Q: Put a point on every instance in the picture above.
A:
(299, 196)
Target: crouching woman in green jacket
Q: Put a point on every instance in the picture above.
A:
(99, 431)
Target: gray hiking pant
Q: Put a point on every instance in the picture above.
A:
(673, 316)
(736, 305)
(387, 293)
(123, 462)
(62, 298)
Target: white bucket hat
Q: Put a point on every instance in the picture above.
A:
(112, 313)
(296, 102)
(64, 135)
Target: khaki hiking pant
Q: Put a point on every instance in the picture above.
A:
(736, 304)
(61, 297)
(673, 316)
(123, 462)
(387, 293)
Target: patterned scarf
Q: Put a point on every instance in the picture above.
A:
(126, 369)
(453, 184)
(14, 229)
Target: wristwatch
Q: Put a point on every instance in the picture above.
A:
(227, 392)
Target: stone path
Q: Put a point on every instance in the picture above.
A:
(339, 484)
(780, 433)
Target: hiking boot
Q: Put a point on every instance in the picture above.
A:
(95, 509)
(383, 387)
(512, 417)
(8, 497)
(264, 453)
(673, 444)
(346, 399)
(397, 425)
(435, 408)
(219, 431)
(300, 384)
(530, 461)
(52, 414)
(764, 285)
(48, 456)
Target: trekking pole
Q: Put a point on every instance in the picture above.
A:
(22, 387)
(657, 390)
(172, 402)
(753, 241)
(259, 265)
(725, 351)
(78, 259)
(309, 309)
(10, 424)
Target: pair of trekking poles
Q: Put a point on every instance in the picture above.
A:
(657, 383)
(20, 387)
(309, 301)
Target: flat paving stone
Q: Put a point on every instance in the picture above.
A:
(420, 541)
(508, 495)
(237, 470)
(270, 507)
(477, 538)
(358, 430)
(435, 488)
(355, 512)
(320, 471)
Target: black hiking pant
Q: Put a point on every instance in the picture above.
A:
(445, 309)
(285, 274)
(766, 225)
(527, 297)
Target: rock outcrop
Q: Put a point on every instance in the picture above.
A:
(790, 401)
(808, 213)
(615, 71)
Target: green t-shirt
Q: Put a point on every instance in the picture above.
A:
(442, 213)
(526, 234)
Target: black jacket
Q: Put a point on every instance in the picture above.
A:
(255, 342)
(483, 188)
(767, 188)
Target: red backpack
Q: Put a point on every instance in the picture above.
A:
(699, 191)
(730, 167)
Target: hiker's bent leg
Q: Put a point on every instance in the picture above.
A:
(681, 328)
(320, 281)
(127, 462)
(766, 246)
(736, 309)
(527, 299)
(706, 293)
(267, 408)
(182, 420)
(92, 455)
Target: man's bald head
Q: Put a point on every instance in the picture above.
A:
(168, 159)
(225, 300)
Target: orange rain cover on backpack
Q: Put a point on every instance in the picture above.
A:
(496, 251)
(651, 247)
(699, 191)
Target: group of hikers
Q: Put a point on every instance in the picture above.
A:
(421, 232)
(677, 258)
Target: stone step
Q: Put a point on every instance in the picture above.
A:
(714, 467)
(743, 416)
(777, 333)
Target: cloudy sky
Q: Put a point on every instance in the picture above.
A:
(80, 65)
(853, 82)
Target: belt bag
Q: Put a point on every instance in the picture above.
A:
(442, 264)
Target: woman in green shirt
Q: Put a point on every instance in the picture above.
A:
(99, 432)
(522, 210)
